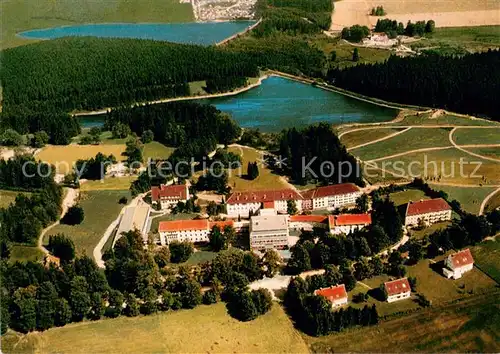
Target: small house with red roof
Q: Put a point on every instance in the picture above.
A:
(347, 223)
(307, 222)
(167, 196)
(337, 295)
(458, 263)
(398, 289)
(429, 211)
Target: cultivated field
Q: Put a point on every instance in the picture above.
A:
(101, 208)
(487, 258)
(265, 180)
(207, 329)
(471, 325)
(64, 157)
(445, 14)
(22, 15)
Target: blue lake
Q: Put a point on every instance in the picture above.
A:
(206, 33)
(281, 103)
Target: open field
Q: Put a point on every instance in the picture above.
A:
(471, 325)
(108, 183)
(493, 152)
(476, 136)
(461, 13)
(156, 150)
(403, 197)
(469, 198)
(207, 329)
(101, 208)
(415, 138)
(445, 119)
(429, 230)
(265, 180)
(64, 157)
(21, 15)
(447, 165)
(493, 203)
(25, 253)
(7, 197)
(487, 258)
(356, 138)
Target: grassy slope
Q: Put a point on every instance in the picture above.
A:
(493, 203)
(487, 258)
(493, 152)
(25, 253)
(204, 329)
(101, 208)
(156, 150)
(403, 197)
(360, 137)
(21, 15)
(468, 326)
(109, 183)
(7, 197)
(477, 136)
(446, 119)
(469, 198)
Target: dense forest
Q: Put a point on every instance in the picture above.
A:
(315, 154)
(24, 219)
(468, 84)
(292, 16)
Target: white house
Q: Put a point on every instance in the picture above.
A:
(331, 197)
(458, 263)
(429, 211)
(307, 222)
(337, 295)
(398, 289)
(347, 223)
(168, 196)
(241, 204)
(268, 231)
(188, 230)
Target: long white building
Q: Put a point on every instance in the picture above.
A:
(347, 223)
(188, 230)
(429, 211)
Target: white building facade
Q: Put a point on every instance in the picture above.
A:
(168, 196)
(268, 231)
(427, 211)
(397, 290)
(188, 230)
(348, 223)
(458, 263)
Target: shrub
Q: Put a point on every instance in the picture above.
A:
(74, 216)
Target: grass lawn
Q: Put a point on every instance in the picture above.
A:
(21, 15)
(101, 208)
(156, 150)
(465, 136)
(8, 197)
(445, 119)
(265, 180)
(364, 136)
(20, 253)
(109, 183)
(196, 88)
(472, 325)
(487, 258)
(469, 198)
(404, 197)
(493, 203)
(201, 257)
(445, 163)
(207, 329)
(420, 234)
(439, 289)
(64, 157)
(415, 138)
(493, 152)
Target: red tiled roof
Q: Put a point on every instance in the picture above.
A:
(309, 194)
(349, 219)
(427, 206)
(172, 191)
(332, 293)
(221, 224)
(263, 196)
(268, 205)
(183, 225)
(462, 258)
(308, 218)
(335, 189)
(398, 286)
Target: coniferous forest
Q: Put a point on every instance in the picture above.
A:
(468, 84)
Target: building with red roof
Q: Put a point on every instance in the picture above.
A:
(189, 230)
(347, 223)
(428, 211)
(337, 295)
(242, 204)
(331, 197)
(307, 222)
(458, 263)
(167, 196)
(398, 289)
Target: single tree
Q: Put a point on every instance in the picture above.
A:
(62, 247)
(355, 55)
(180, 251)
(147, 136)
(291, 207)
(74, 216)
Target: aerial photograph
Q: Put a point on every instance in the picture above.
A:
(249, 176)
